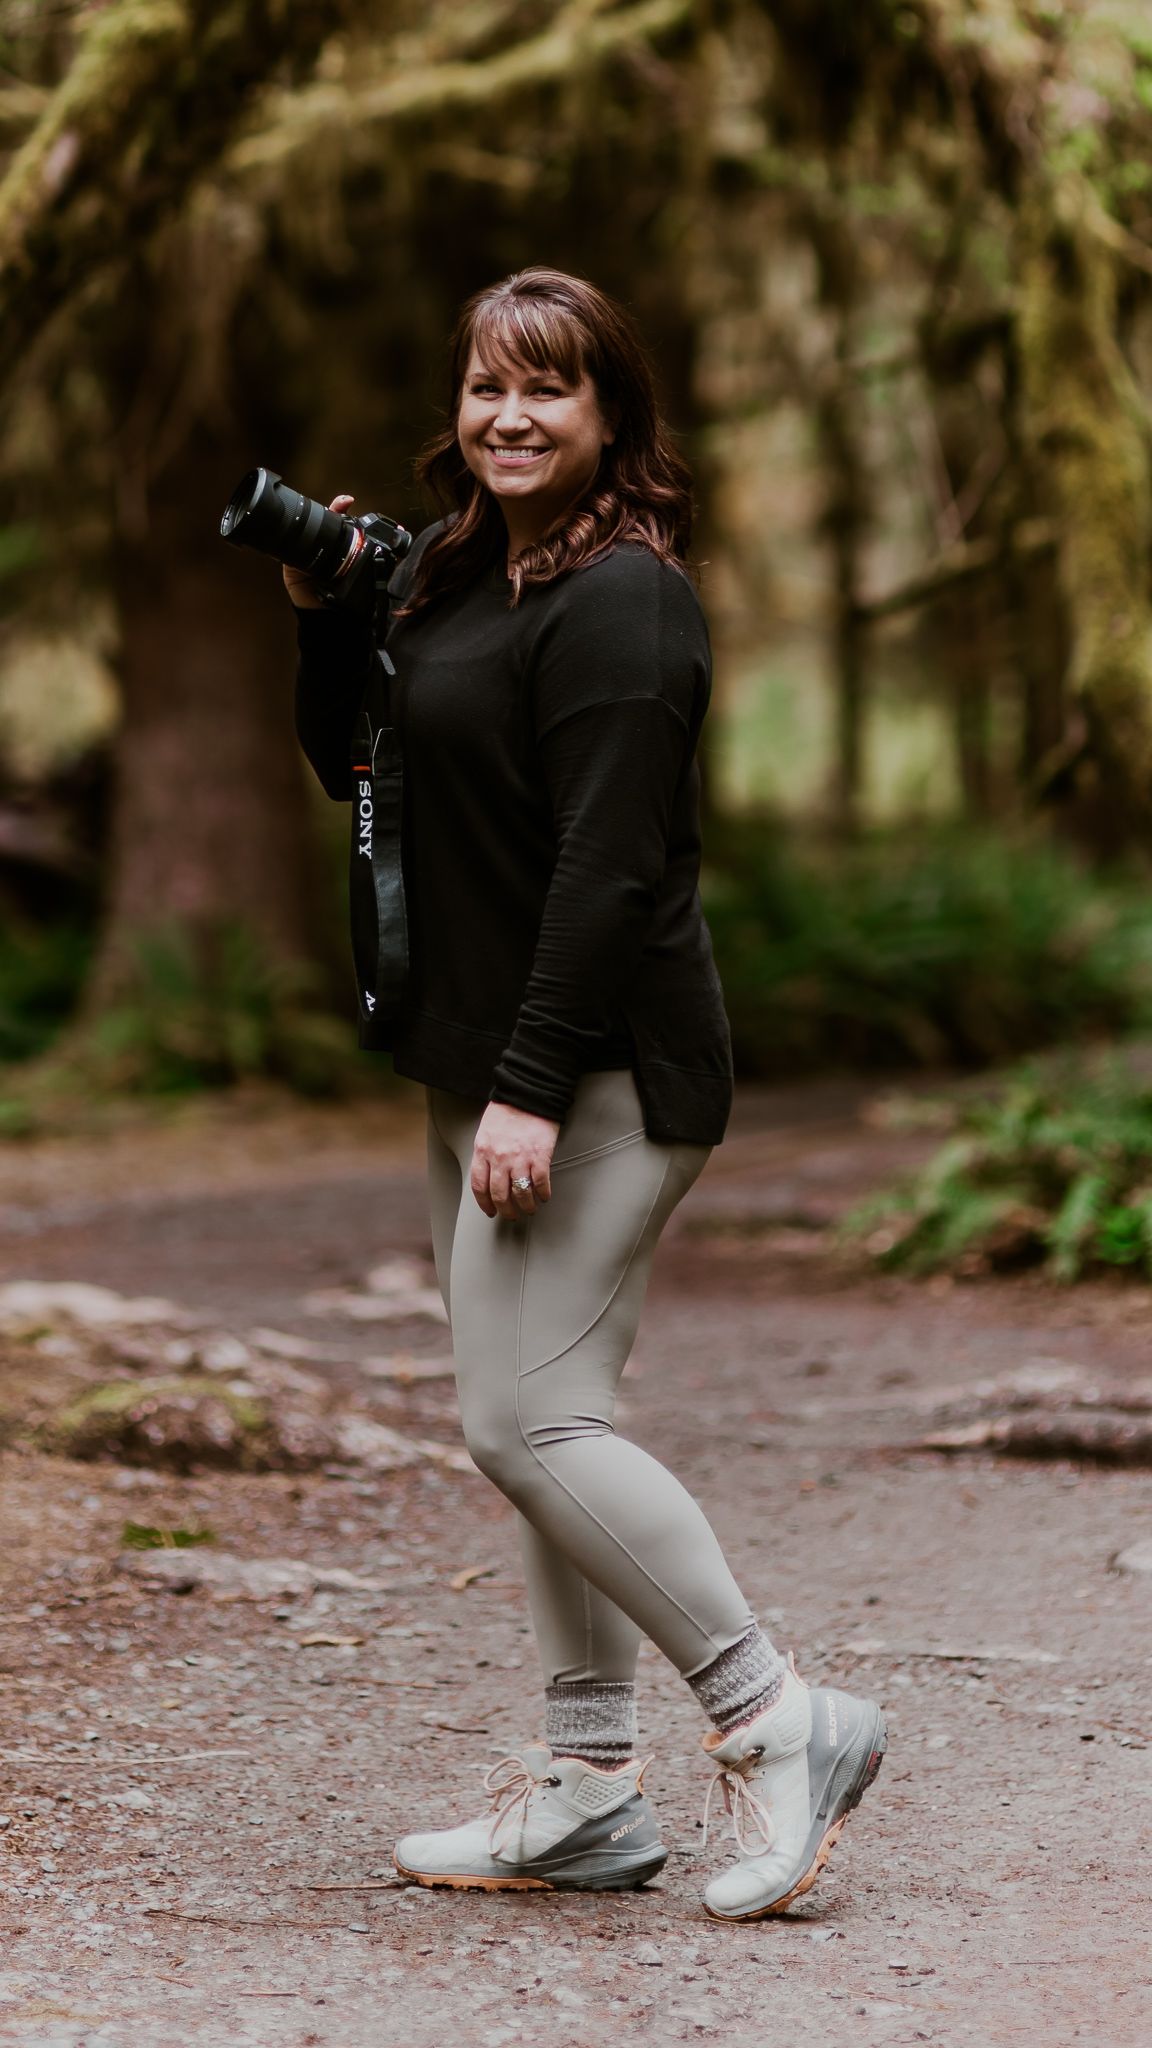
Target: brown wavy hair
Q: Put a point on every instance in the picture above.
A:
(545, 320)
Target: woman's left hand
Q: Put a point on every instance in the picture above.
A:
(509, 1144)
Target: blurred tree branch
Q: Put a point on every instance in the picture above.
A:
(1028, 540)
(580, 38)
(154, 91)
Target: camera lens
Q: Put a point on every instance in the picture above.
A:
(265, 513)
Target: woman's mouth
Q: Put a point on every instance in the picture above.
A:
(510, 457)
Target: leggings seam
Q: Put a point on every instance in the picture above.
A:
(525, 1372)
(530, 1447)
(598, 1151)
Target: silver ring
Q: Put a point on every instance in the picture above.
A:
(523, 1183)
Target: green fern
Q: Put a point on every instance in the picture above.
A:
(1057, 1167)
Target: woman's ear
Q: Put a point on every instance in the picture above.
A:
(610, 414)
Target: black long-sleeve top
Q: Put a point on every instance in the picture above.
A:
(551, 840)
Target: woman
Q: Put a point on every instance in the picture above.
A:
(565, 1016)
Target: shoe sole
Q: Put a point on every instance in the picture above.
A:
(842, 1804)
(595, 1881)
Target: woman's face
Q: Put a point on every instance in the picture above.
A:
(531, 437)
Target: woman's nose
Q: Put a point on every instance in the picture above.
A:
(510, 416)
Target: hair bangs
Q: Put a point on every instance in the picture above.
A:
(537, 333)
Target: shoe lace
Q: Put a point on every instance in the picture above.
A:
(747, 1810)
(510, 1785)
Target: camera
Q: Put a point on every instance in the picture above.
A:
(350, 560)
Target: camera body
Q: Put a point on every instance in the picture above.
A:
(350, 560)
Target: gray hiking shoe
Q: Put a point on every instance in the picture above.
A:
(790, 1779)
(555, 1824)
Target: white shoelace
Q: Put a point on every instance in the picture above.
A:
(745, 1808)
(741, 1801)
(510, 1785)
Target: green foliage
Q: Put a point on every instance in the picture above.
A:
(186, 1017)
(20, 550)
(1055, 1169)
(192, 1016)
(41, 974)
(142, 1536)
(928, 951)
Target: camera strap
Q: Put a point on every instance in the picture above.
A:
(376, 880)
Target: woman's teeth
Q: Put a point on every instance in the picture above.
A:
(516, 454)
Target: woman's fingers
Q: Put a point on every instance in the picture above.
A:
(493, 1186)
(511, 1145)
(479, 1181)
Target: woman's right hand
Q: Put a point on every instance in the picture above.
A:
(297, 582)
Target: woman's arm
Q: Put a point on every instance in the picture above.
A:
(336, 648)
(612, 772)
(335, 662)
(621, 679)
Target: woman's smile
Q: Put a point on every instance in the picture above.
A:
(513, 456)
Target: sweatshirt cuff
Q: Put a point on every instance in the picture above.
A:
(553, 1101)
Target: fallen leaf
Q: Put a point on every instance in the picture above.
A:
(406, 1370)
(470, 1574)
(322, 1641)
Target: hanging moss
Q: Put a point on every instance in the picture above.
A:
(153, 94)
(1087, 435)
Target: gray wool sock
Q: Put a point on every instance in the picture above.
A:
(741, 1682)
(595, 1722)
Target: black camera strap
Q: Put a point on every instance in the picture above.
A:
(376, 880)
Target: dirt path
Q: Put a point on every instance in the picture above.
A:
(194, 1771)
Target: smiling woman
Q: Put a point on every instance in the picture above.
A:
(556, 450)
(551, 677)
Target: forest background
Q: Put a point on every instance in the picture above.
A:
(894, 262)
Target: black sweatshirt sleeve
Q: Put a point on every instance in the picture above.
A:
(332, 671)
(620, 687)
(611, 771)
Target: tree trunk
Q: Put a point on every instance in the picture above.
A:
(963, 639)
(1088, 438)
(846, 511)
(210, 826)
(1041, 661)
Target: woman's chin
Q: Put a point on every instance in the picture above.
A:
(503, 481)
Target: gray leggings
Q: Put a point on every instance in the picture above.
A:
(544, 1311)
